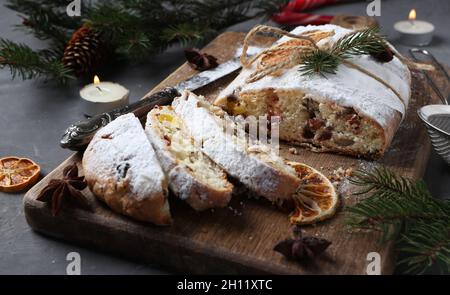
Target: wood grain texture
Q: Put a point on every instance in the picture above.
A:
(238, 239)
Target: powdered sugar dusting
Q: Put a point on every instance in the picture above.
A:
(348, 87)
(123, 153)
(251, 50)
(226, 150)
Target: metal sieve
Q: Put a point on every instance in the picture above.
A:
(436, 117)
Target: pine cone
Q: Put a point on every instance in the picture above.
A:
(84, 52)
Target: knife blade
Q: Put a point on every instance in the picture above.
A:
(78, 135)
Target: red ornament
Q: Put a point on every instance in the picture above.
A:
(293, 14)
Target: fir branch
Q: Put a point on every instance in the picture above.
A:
(26, 63)
(156, 12)
(360, 42)
(223, 13)
(113, 21)
(186, 34)
(136, 46)
(426, 245)
(320, 62)
(367, 41)
(269, 8)
(398, 205)
(135, 29)
(46, 19)
(39, 25)
(55, 11)
(183, 22)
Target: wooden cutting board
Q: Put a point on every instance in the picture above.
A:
(238, 239)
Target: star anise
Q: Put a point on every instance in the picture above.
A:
(65, 190)
(200, 61)
(301, 248)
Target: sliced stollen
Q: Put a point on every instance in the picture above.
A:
(193, 177)
(258, 167)
(121, 169)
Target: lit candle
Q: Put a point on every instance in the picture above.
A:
(413, 31)
(100, 97)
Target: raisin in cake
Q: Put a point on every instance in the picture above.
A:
(121, 169)
(257, 166)
(348, 112)
(192, 175)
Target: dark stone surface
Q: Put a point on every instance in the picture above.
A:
(33, 116)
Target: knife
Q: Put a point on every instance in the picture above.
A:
(77, 136)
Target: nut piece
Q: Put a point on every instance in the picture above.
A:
(293, 151)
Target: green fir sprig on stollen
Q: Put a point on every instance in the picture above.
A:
(319, 62)
(367, 41)
(404, 210)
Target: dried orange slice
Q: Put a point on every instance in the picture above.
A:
(316, 199)
(16, 174)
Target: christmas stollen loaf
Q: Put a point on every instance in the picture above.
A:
(256, 165)
(355, 111)
(122, 169)
(192, 176)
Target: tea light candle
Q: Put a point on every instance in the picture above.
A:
(100, 97)
(414, 32)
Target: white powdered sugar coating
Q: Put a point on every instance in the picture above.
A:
(228, 152)
(123, 143)
(184, 178)
(348, 87)
(251, 50)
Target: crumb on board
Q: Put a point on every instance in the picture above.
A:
(339, 174)
(293, 151)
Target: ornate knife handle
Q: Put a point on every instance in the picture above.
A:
(78, 135)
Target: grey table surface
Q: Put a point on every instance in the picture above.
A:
(33, 116)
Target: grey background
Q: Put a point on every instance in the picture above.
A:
(33, 116)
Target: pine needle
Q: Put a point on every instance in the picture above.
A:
(360, 42)
(22, 61)
(134, 29)
(186, 34)
(320, 62)
(404, 210)
(367, 41)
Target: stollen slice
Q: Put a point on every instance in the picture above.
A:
(255, 165)
(121, 169)
(192, 176)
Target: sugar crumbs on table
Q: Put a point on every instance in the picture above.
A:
(65, 190)
(340, 174)
(344, 188)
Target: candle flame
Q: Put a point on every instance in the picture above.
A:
(412, 14)
(96, 79)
